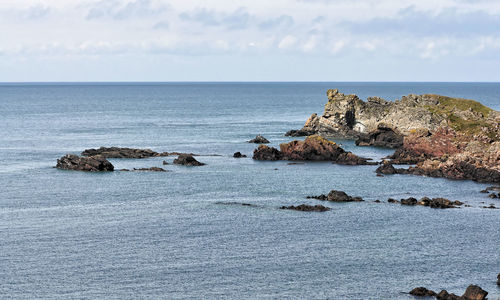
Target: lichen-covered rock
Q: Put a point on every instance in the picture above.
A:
(264, 152)
(305, 207)
(336, 196)
(95, 163)
(259, 139)
(187, 160)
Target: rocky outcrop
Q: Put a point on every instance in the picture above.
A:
(317, 148)
(425, 201)
(259, 139)
(313, 148)
(95, 163)
(498, 279)
(305, 207)
(473, 292)
(446, 137)
(264, 152)
(383, 136)
(187, 160)
(310, 127)
(238, 155)
(117, 152)
(336, 196)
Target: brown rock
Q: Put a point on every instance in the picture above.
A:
(422, 292)
(259, 139)
(474, 292)
(336, 196)
(238, 155)
(264, 152)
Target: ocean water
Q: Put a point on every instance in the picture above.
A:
(121, 235)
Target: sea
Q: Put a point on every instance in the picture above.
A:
(182, 234)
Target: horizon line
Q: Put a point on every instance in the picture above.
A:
(249, 81)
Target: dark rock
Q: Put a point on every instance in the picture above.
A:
(238, 155)
(425, 201)
(410, 201)
(377, 201)
(474, 292)
(95, 163)
(117, 152)
(404, 156)
(493, 196)
(444, 295)
(384, 136)
(492, 206)
(455, 169)
(441, 203)
(305, 207)
(152, 169)
(493, 188)
(264, 152)
(390, 200)
(299, 133)
(165, 163)
(336, 196)
(386, 168)
(125, 170)
(259, 139)
(187, 160)
(498, 279)
(422, 292)
(484, 191)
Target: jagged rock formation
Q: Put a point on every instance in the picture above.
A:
(95, 163)
(446, 137)
(313, 148)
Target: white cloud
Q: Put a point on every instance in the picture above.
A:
(287, 42)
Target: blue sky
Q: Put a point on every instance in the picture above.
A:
(257, 40)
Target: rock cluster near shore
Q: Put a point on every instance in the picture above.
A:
(259, 139)
(473, 292)
(336, 196)
(313, 148)
(425, 201)
(187, 160)
(446, 137)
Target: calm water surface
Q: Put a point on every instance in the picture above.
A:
(66, 234)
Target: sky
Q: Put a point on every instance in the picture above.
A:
(249, 40)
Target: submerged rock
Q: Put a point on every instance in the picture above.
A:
(187, 160)
(305, 207)
(336, 196)
(236, 203)
(259, 139)
(97, 163)
(152, 169)
(238, 155)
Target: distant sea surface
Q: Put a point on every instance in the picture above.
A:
(120, 235)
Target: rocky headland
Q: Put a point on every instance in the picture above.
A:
(313, 148)
(445, 137)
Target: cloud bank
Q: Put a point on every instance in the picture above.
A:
(327, 40)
